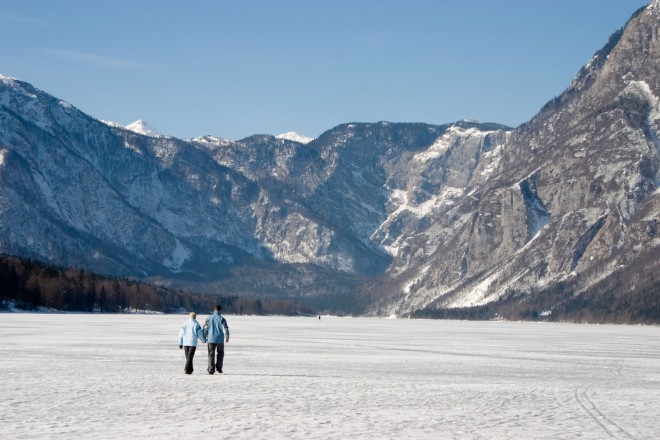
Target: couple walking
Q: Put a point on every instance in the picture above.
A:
(211, 334)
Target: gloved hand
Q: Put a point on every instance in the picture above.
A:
(227, 340)
(180, 346)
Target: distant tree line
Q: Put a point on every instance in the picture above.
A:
(31, 284)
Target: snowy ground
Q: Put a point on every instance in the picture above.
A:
(103, 376)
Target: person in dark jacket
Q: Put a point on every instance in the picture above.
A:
(188, 335)
(216, 340)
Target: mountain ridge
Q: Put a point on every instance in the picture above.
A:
(377, 218)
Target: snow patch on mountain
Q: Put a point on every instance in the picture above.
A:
(166, 151)
(131, 147)
(642, 91)
(112, 124)
(477, 295)
(6, 79)
(411, 283)
(8, 82)
(143, 127)
(448, 140)
(437, 149)
(491, 160)
(399, 198)
(212, 141)
(295, 137)
(179, 256)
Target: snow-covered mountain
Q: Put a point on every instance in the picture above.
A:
(380, 217)
(143, 127)
(296, 137)
(569, 198)
(79, 192)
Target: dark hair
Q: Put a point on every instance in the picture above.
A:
(218, 308)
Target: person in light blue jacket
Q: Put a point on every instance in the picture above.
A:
(216, 340)
(188, 335)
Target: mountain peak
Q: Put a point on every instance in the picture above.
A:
(143, 127)
(296, 137)
(6, 79)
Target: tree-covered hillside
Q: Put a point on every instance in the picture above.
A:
(30, 285)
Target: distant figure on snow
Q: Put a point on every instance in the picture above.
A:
(216, 339)
(319, 317)
(188, 335)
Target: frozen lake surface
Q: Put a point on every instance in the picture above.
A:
(121, 376)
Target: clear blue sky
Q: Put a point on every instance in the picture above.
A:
(233, 68)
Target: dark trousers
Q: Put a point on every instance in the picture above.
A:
(190, 354)
(216, 356)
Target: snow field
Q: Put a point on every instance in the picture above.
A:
(121, 376)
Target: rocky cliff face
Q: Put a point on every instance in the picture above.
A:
(381, 217)
(572, 194)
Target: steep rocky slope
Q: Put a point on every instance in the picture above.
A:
(368, 217)
(572, 194)
(80, 192)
